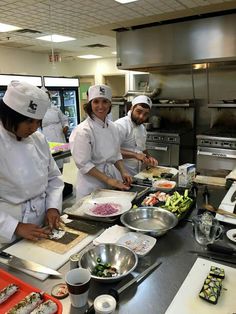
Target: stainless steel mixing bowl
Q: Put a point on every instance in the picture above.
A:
(120, 257)
(151, 220)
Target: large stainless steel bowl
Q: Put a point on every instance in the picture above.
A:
(151, 220)
(120, 257)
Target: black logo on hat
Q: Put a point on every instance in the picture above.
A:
(32, 107)
(102, 90)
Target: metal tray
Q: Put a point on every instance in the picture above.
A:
(160, 204)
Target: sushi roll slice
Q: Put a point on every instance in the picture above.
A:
(48, 307)
(209, 294)
(28, 304)
(8, 291)
(217, 272)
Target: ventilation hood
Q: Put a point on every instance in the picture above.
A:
(208, 39)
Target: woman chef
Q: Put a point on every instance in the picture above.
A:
(30, 182)
(95, 147)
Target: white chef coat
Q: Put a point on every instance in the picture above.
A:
(52, 126)
(94, 143)
(133, 138)
(30, 182)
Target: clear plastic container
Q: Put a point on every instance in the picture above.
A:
(104, 304)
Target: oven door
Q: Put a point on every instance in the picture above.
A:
(215, 158)
(166, 154)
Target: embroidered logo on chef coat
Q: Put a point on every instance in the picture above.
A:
(102, 90)
(32, 107)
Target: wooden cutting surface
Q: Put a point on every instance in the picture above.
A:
(210, 180)
(155, 171)
(61, 248)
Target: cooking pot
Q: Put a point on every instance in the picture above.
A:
(148, 126)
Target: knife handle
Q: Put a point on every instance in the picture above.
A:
(5, 255)
(220, 248)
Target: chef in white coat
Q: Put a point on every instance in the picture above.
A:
(95, 147)
(55, 127)
(133, 135)
(30, 181)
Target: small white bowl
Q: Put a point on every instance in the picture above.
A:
(164, 185)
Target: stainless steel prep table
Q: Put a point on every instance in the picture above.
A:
(156, 292)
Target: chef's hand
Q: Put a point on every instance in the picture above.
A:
(127, 179)
(31, 231)
(151, 161)
(117, 184)
(52, 218)
(65, 130)
(142, 157)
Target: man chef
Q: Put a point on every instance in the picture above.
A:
(133, 135)
(30, 181)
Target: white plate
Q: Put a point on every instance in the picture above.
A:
(159, 185)
(140, 243)
(231, 234)
(123, 205)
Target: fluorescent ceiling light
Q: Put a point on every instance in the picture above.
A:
(125, 1)
(56, 38)
(89, 57)
(8, 28)
(114, 52)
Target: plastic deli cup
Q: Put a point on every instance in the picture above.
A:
(104, 304)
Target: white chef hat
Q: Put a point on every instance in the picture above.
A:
(26, 99)
(99, 91)
(142, 99)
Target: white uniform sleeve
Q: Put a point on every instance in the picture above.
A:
(8, 225)
(63, 118)
(55, 186)
(122, 128)
(80, 145)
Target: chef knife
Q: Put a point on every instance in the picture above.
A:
(221, 249)
(20, 263)
(115, 293)
(219, 258)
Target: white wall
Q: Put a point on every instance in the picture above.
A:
(17, 61)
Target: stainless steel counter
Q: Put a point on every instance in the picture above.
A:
(156, 292)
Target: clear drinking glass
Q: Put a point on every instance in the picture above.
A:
(206, 229)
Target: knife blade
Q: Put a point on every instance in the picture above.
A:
(217, 256)
(116, 292)
(20, 263)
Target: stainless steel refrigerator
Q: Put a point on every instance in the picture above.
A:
(64, 92)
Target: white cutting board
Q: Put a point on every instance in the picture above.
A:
(187, 300)
(27, 250)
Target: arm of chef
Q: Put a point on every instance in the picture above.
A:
(55, 186)
(80, 145)
(63, 118)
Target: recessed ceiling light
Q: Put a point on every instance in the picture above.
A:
(125, 1)
(56, 38)
(89, 57)
(114, 53)
(8, 28)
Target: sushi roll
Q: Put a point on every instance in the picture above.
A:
(6, 292)
(209, 294)
(48, 307)
(217, 272)
(28, 304)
